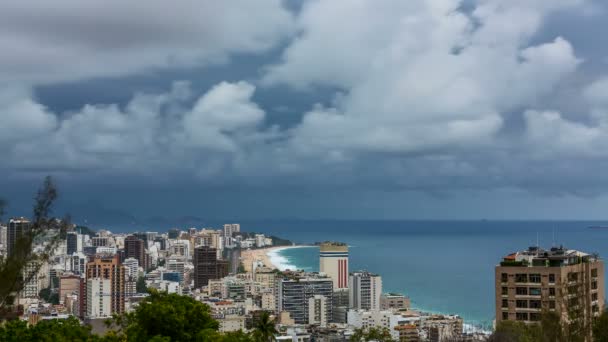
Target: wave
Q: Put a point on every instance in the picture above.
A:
(281, 262)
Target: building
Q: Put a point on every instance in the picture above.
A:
(35, 276)
(559, 280)
(394, 301)
(99, 298)
(134, 248)
(14, 231)
(317, 310)
(333, 261)
(71, 242)
(294, 294)
(207, 266)
(107, 267)
(365, 291)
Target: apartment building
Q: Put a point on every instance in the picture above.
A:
(558, 279)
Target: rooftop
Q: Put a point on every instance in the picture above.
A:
(554, 257)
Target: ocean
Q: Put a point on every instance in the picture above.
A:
(443, 266)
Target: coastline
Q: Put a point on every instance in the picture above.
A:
(269, 256)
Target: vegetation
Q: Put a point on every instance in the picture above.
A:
(372, 334)
(42, 228)
(46, 331)
(140, 286)
(550, 329)
(264, 330)
(49, 296)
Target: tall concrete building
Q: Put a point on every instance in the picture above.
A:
(317, 310)
(99, 303)
(558, 280)
(3, 232)
(294, 294)
(16, 229)
(135, 248)
(71, 241)
(207, 266)
(365, 291)
(107, 267)
(333, 261)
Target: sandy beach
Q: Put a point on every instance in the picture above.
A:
(261, 254)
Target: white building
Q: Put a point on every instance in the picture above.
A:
(99, 301)
(232, 323)
(180, 248)
(365, 291)
(333, 261)
(317, 310)
(260, 240)
(132, 266)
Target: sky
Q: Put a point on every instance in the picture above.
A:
(269, 109)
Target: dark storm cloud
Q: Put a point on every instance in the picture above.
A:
(307, 98)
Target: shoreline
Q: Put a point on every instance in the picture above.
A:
(269, 256)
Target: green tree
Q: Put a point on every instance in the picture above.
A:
(372, 334)
(264, 329)
(49, 296)
(42, 228)
(141, 285)
(54, 330)
(600, 328)
(168, 317)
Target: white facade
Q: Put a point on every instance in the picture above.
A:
(99, 301)
(180, 248)
(317, 308)
(333, 261)
(132, 266)
(380, 319)
(232, 323)
(365, 291)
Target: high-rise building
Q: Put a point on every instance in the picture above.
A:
(3, 232)
(99, 303)
(108, 267)
(294, 294)
(333, 258)
(71, 243)
(559, 280)
(317, 310)
(365, 291)
(100, 241)
(207, 266)
(16, 229)
(134, 248)
(69, 284)
(131, 268)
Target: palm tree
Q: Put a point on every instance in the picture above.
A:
(265, 329)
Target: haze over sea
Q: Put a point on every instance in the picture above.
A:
(444, 266)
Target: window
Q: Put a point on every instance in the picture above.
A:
(534, 316)
(572, 289)
(505, 291)
(535, 278)
(521, 291)
(594, 296)
(504, 278)
(595, 308)
(505, 303)
(521, 304)
(572, 276)
(594, 285)
(535, 291)
(594, 272)
(521, 316)
(521, 278)
(535, 304)
(552, 278)
(551, 304)
(552, 291)
(505, 316)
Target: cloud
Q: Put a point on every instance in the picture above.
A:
(66, 40)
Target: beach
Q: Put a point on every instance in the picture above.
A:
(269, 256)
(250, 255)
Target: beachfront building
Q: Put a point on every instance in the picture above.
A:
(317, 310)
(333, 261)
(394, 301)
(295, 291)
(365, 290)
(559, 280)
